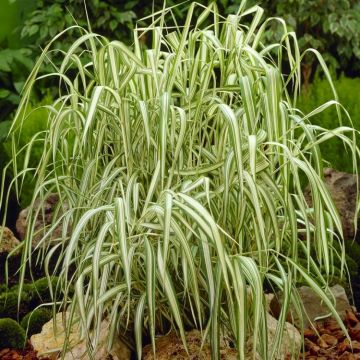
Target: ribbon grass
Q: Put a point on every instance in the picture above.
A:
(179, 171)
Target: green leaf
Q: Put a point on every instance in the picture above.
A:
(4, 93)
(4, 129)
(113, 24)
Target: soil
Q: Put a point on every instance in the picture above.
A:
(328, 342)
(26, 354)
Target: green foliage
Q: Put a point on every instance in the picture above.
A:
(108, 18)
(3, 288)
(35, 124)
(4, 130)
(12, 335)
(182, 183)
(7, 19)
(15, 65)
(332, 27)
(36, 121)
(320, 92)
(352, 261)
(12, 16)
(353, 250)
(32, 322)
(50, 17)
(352, 266)
(15, 58)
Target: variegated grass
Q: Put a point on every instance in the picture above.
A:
(180, 168)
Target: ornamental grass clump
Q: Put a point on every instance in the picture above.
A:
(179, 168)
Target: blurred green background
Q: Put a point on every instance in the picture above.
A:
(330, 26)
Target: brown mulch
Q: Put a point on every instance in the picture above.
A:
(26, 354)
(328, 342)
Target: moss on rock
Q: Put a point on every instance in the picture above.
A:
(41, 289)
(34, 320)
(3, 288)
(352, 266)
(12, 335)
(353, 250)
(32, 295)
(9, 304)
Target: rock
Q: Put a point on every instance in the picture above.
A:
(9, 265)
(49, 344)
(342, 187)
(291, 341)
(118, 351)
(268, 299)
(43, 220)
(8, 241)
(171, 347)
(313, 305)
(288, 347)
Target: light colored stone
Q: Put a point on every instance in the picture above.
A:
(343, 190)
(8, 241)
(313, 306)
(268, 299)
(49, 344)
(51, 339)
(44, 219)
(290, 345)
(291, 341)
(342, 301)
(118, 351)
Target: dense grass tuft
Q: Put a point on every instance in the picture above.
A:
(178, 169)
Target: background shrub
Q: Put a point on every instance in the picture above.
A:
(35, 123)
(320, 92)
